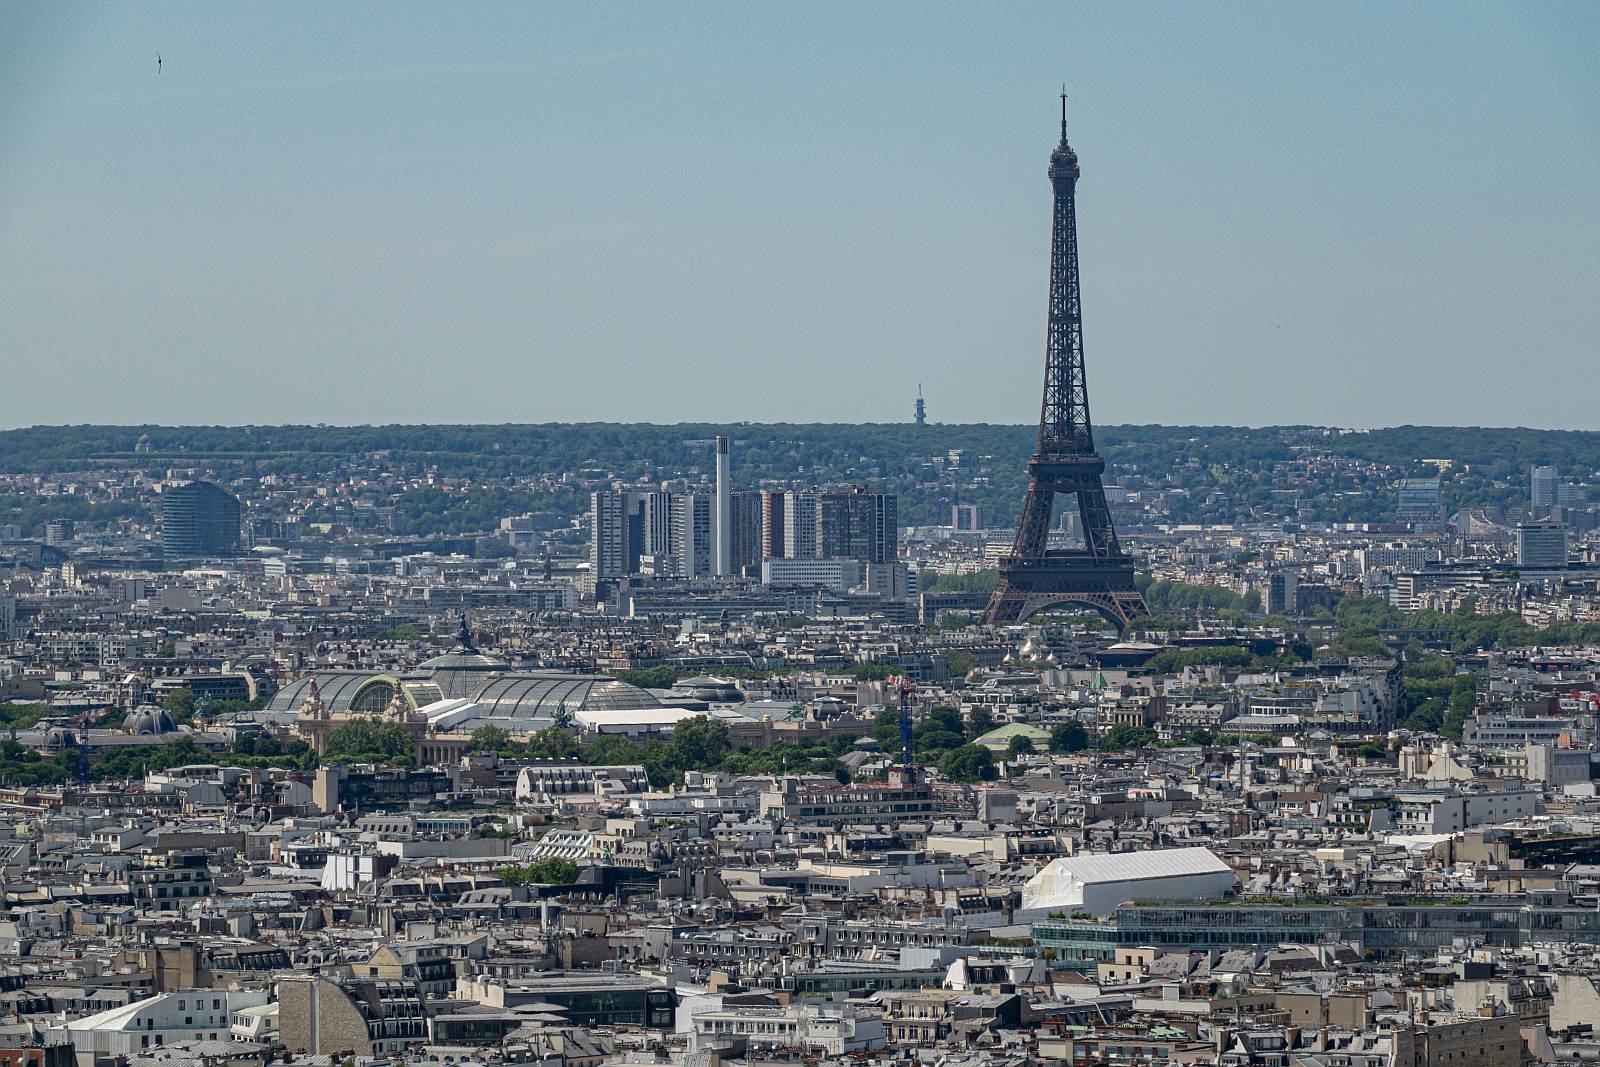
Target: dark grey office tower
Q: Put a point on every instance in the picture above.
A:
(857, 523)
(199, 519)
(744, 531)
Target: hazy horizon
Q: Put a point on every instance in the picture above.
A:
(1106, 425)
(1358, 217)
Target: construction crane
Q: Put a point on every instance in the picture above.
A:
(907, 690)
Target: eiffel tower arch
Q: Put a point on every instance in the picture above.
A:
(1097, 575)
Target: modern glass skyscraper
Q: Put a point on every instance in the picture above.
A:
(1541, 545)
(199, 519)
(857, 523)
(692, 523)
(1543, 484)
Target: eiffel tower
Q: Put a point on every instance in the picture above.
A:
(1099, 575)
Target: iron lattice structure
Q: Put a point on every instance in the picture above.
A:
(1098, 575)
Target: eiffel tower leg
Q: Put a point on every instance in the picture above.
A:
(1012, 603)
(1033, 529)
(1098, 533)
(1127, 607)
(1006, 604)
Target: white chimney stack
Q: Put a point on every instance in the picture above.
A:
(722, 541)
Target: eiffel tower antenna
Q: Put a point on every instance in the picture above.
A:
(1098, 575)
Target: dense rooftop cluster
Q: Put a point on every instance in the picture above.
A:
(353, 790)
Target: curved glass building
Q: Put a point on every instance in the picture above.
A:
(199, 519)
(517, 701)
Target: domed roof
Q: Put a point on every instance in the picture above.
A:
(527, 696)
(462, 661)
(149, 719)
(60, 737)
(335, 688)
(458, 676)
(705, 687)
(464, 657)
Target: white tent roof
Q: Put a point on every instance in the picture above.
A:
(1134, 866)
(624, 717)
(1063, 882)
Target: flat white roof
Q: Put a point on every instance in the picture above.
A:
(1134, 866)
(449, 711)
(635, 716)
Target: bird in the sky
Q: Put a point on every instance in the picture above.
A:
(158, 62)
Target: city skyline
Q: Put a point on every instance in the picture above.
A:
(378, 225)
(545, 554)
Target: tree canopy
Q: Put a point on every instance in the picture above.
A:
(540, 872)
(369, 740)
(1069, 737)
(968, 763)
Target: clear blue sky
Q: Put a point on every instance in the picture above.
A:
(1351, 214)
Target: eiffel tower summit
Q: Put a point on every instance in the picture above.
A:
(1098, 575)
